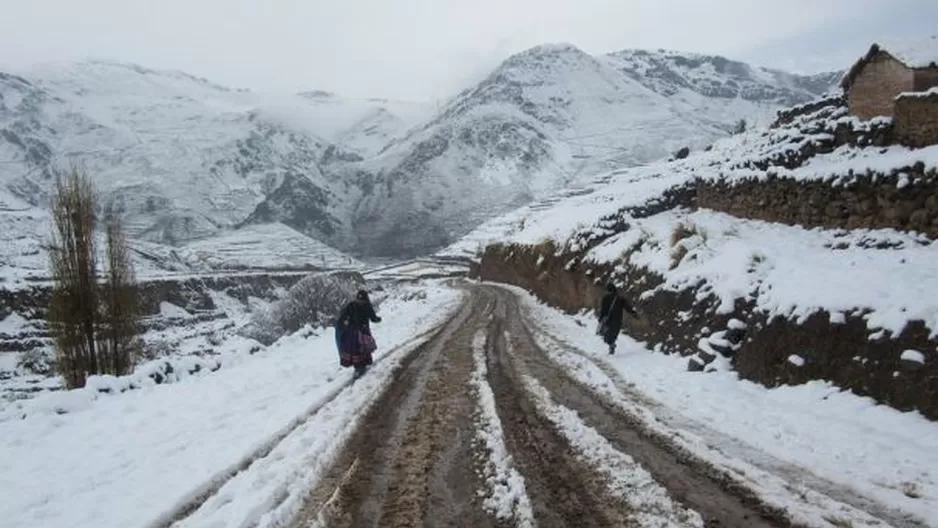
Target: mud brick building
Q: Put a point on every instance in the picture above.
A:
(898, 81)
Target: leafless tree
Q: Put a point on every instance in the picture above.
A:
(73, 307)
(94, 326)
(119, 304)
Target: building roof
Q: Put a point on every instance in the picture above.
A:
(913, 53)
(918, 53)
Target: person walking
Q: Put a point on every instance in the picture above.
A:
(353, 333)
(611, 309)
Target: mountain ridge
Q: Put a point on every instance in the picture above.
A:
(186, 158)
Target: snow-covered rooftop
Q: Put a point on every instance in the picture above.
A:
(914, 53)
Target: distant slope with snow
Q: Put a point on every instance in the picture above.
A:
(545, 119)
(186, 159)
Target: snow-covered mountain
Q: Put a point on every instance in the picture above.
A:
(547, 117)
(187, 159)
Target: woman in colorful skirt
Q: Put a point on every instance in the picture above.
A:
(353, 333)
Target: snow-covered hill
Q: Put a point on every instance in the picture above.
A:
(184, 159)
(187, 159)
(546, 118)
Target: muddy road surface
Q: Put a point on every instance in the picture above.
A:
(480, 428)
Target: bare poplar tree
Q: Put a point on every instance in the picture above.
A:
(120, 311)
(74, 304)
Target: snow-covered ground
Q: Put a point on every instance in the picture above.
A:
(269, 246)
(873, 450)
(136, 458)
(882, 272)
(181, 345)
(24, 259)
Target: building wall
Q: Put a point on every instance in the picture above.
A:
(926, 78)
(874, 90)
(916, 121)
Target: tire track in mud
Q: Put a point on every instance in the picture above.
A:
(411, 463)
(563, 491)
(415, 458)
(699, 487)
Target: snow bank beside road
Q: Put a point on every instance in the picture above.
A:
(131, 458)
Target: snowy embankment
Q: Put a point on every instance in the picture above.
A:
(879, 273)
(649, 502)
(137, 458)
(506, 496)
(815, 432)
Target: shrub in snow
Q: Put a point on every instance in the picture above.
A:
(156, 349)
(315, 300)
(214, 339)
(36, 361)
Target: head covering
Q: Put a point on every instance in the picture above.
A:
(362, 295)
(611, 287)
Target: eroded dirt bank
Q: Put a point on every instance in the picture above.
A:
(841, 352)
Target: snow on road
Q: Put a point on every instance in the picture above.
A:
(134, 458)
(650, 502)
(508, 498)
(883, 454)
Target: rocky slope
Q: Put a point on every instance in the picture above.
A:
(187, 159)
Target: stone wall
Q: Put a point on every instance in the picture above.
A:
(868, 202)
(786, 116)
(676, 322)
(874, 90)
(916, 122)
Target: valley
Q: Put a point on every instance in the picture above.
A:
(776, 234)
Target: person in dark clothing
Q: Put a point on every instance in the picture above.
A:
(353, 333)
(610, 315)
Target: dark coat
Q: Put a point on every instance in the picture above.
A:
(611, 309)
(353, 321)
(357, 315)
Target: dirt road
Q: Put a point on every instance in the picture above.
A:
(418, 460)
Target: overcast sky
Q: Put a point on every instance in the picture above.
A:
(424, 49)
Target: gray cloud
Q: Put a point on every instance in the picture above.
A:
(421, 49)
